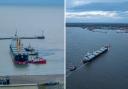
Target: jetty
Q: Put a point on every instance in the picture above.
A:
(36, 37)
(23, 37)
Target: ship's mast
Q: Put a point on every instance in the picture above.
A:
(18, 42)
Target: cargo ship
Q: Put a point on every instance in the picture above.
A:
(22, 55)
(19, 55)
(91, 56)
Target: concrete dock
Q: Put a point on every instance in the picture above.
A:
(33, 81)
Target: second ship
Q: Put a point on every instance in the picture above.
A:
(91, 56)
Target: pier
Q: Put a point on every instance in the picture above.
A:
(36, 37)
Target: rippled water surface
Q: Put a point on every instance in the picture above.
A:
(108, 71)
(30, 21)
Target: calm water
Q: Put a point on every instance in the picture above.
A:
(30, 21)
(109, 71)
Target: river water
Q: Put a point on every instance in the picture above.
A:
(108, 71)
(30, 21)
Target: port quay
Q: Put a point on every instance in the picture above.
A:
(19, 86)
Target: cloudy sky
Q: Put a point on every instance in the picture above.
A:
(108, 11)
(32, 2)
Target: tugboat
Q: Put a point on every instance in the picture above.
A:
(31, 51)
(91, 56)
(72, 68)
(19, 55)
(37, 60)
(29, 48)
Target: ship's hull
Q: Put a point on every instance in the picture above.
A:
(18, 58)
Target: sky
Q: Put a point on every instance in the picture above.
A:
(97, 11)
(32, 2)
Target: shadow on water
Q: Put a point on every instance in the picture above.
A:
(21, 66)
